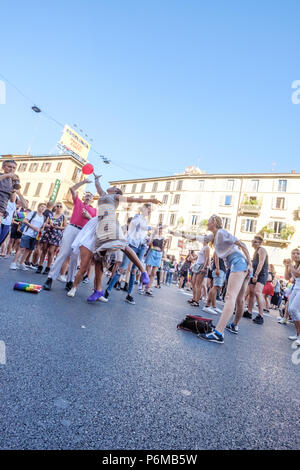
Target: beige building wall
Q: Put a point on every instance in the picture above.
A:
(38, 175)
(246, 202)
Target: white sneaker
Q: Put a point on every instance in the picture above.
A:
(218, 310)
(102, 299)
(283, 321)
(297, 342)
(13, 266)
(210, 310)
(72, 292)
(293, 338)
(62, 278)
(23, 267)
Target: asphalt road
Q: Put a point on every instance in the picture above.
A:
(117, 376)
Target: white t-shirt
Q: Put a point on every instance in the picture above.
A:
(11, 207)
(137, 231)
(37, 221)
(201, 256)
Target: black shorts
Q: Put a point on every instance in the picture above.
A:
(209, 274)
(262, 278)
(15, 234)
(184, 274)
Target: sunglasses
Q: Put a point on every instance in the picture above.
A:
(58, 206)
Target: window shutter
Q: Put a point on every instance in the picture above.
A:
(254, 226)
(243, 225)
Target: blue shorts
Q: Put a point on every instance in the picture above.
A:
(154, 258)
(237, 262)
(28, 242)
(218, 281)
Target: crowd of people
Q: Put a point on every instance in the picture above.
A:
(69, 250)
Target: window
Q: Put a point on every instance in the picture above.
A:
(123, 188)
(22, 167)
(194, 219)
(229, 185)
(282, 185)
(280, 203)
(161, 218)
(46, 167)
(226, 223)
(201, 185)
(248, 225)
(33, 167)
(172, 219)
(168, 186)
(26, 189)
(58, 167)
(165, 199)
(76, 175)
(143, 187)
(277, 227)
(179, 185)
(38, 189)
(154, 187)
(176, 199)
(228, 200)
(133, 189)
(253, 185)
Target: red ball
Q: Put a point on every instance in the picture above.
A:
(87, 169)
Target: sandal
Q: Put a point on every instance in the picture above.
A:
(195, 304)
(190, 301)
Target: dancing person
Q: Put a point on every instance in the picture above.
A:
(82, 213)
(51, 237)
(228, 248)
(154, 257)
(136, 239)
(260, 266)
(292, 269)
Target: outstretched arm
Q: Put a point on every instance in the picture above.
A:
(74, 188)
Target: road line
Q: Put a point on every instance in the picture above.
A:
(2, 353)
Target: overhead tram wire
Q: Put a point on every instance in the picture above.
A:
(61, 125)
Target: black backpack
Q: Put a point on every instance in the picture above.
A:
(196, 324)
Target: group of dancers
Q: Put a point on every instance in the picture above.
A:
(95, 236)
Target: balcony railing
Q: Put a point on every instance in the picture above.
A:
(276, 237)
(253, 209)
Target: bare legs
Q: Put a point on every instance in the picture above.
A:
(86, 258)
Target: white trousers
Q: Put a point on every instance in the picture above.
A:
(65, 250)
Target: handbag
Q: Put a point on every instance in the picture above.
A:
(196, 324)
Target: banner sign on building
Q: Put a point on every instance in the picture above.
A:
(74, 143)
(55, 191)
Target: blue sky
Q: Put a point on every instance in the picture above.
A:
(158, 85)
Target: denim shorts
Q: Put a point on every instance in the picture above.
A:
(28, 242)
(237, 262)
(218, 281)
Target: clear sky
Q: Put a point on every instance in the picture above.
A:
(158, 85)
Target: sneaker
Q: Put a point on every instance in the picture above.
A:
(213, 337)
(39, 270)
(149, 293)
(145, 278)
(27, 264)
(85, 280)
(62, 278)
(293, 338)
(106, 294)
(247, 314)
(23, 267)
(72, 292)
(297, 342)
(266, 310)
(232, 328)
(48, 284)
(210, 310)
(141, 292)
(125, 287)
(31, 265)
(97, 294)
(258, 320)
(69, 285)
(13, 266)
(282, 321)
(46, 270)
(218, 310)
(130, 299)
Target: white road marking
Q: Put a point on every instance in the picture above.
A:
(2, 353)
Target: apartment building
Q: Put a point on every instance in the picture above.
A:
(48, 177)
(248, 204)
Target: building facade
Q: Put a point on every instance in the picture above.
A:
(48, 177)
(248, 204)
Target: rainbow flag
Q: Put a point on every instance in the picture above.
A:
(24, 286)
(20, 216)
